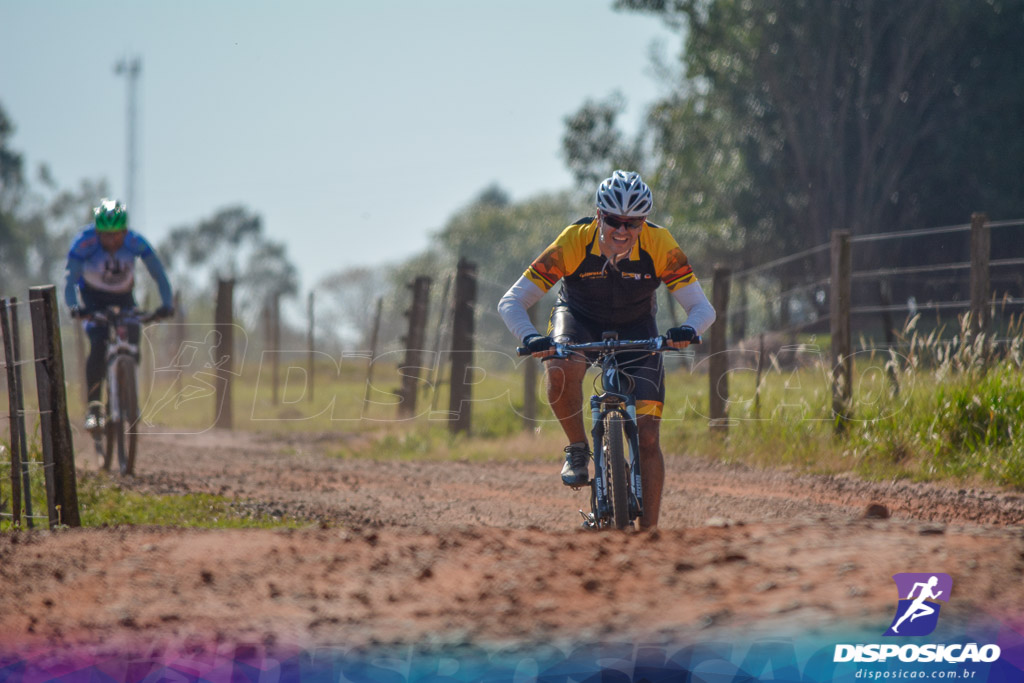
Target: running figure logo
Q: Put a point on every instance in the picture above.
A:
(918, 613)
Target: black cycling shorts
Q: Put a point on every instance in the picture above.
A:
(645, 368)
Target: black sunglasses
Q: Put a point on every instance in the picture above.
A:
(616, 222)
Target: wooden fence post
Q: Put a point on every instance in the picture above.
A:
(981, 251)
(739, 321)
(224, 319)
(309, 343)
(760, 373)
(276, 358)
(272, 312)
(22, 438)
(55, 428)
(415, 345)
(17, 418)
(842, 350)
(373, 350)
(460, 396)
(718, 362)
(443, 321)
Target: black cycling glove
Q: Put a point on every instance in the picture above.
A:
(537, 343)
(78, 312)
(683, 333)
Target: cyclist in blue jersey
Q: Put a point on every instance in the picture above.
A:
(100, 272)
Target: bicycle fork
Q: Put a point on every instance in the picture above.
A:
(599, 484)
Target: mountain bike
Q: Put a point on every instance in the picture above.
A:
(121, 409)
(616, 490)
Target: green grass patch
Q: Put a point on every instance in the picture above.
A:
(103, 502)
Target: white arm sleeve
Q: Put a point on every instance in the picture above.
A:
(514, 304)
(699, 311)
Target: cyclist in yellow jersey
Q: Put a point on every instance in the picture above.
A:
(610, 266)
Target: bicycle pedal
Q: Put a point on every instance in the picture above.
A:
(589, 522)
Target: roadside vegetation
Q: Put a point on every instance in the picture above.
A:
(944, 406)
(104, 502)
(940, 409)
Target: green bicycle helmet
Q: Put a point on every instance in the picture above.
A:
(110, 216)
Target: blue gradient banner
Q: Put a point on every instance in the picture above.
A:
(802, 659)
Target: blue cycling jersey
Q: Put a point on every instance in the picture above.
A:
(91, 266)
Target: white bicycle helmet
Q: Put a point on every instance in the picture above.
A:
(625, 194)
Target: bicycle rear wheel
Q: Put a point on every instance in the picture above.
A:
(127, 396)
(615, 463)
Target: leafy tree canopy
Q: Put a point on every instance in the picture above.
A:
(791, 118)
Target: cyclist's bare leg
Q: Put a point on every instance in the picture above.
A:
(564, 380)
(652, 468)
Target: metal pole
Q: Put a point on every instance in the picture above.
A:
(131, 68)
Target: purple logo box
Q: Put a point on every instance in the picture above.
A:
(917, 613)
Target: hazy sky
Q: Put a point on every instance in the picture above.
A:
(355, 129)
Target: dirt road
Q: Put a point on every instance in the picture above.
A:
(458, 552)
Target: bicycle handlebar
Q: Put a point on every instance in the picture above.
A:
(653, 344)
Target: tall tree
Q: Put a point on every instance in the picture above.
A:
(819, 115)
(345, 303)
(37, 220)
(231, 244)
(15, 237)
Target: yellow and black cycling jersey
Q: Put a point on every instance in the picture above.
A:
(612, 294)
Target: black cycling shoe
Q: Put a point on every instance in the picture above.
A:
(574, 472)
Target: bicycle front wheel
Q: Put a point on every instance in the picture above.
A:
(615, 463)
(127, 397)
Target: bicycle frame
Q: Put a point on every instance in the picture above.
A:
(616, 398)
(118, 345)
(611, 401)
(122, 385)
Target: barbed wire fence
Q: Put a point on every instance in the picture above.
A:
(17, 466)
(784, 306)
(55, 447)
(789, 295)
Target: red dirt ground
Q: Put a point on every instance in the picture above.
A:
(459, 552)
